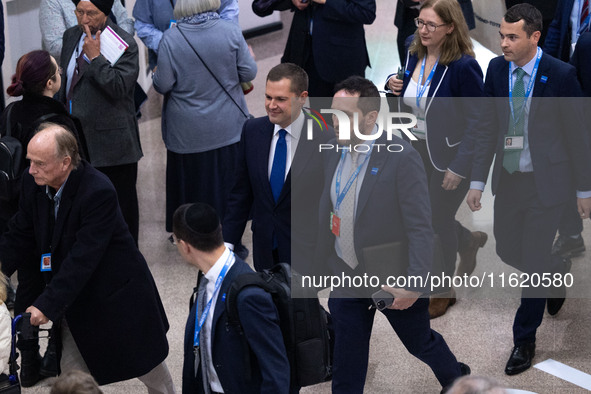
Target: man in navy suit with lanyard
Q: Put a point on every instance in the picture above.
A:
(376, 197)
(532, 176)
(215, 356)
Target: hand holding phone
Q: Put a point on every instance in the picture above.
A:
(382, 299)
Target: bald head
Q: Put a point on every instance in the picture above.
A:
(53, 153)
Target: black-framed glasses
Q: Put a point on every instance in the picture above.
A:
(90, 14)
(430, 26)
(174, 239)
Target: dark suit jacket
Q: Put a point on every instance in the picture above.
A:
(450, 116)
(581, 59)
(98, 275)
(392, 206)
(557, 41)
(270, 371)
(338, 42)
(252, 191)
(558, 145)
(103, 101)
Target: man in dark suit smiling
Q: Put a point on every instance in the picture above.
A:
(275, 153)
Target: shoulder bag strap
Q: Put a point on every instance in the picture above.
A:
(212, 74)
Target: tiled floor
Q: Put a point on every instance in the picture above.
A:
(477, 329)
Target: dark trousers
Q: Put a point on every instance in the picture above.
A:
(444, 206)
(317, 87)
(124, 178)
(524, 231)
(353, 322)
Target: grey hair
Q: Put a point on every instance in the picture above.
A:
(184, 8)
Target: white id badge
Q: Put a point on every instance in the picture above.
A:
(513, 142)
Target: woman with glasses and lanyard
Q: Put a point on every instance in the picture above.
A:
(441, 78)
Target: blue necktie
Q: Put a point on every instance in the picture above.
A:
(279, 162)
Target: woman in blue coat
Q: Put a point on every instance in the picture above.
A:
(440, 81)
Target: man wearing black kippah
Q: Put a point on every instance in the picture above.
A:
(215, 356)
(100, 92)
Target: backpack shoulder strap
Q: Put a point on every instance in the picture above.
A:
(8, 124)
(239, 283)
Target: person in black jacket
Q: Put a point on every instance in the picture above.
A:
(37, 79)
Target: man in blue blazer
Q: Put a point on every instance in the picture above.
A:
(215, 354)
(389, 204)
(565, 29)
(327, 39)
(278, 235)
(532, 183)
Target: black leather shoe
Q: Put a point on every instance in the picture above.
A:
(521, 357)
(566, 246)
(241, 251)
(465, 370)
(555, 303)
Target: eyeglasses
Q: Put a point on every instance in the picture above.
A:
(60, 71)
(174, 239)
(430, 26)
(90, 14)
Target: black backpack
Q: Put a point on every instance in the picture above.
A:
(12, 163)
(11, 159)
(304, 324)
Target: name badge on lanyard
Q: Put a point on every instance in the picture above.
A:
(514, 142)
(46, 262)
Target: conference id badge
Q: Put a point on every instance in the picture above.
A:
(335, 224)
(46, 262)
(172, 23)
(513, 142)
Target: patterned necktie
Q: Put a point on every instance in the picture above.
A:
(203, 335)
(78, 71)
(511, 157)
(347, 215)
(584, 14)
(279, 162)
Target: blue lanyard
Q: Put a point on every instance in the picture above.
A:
(530, 86)
(199, 322)
(341, 196)
(422, 88)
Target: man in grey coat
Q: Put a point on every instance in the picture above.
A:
(100, 94)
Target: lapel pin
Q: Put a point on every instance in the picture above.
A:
(543, 79)
(374, 170)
